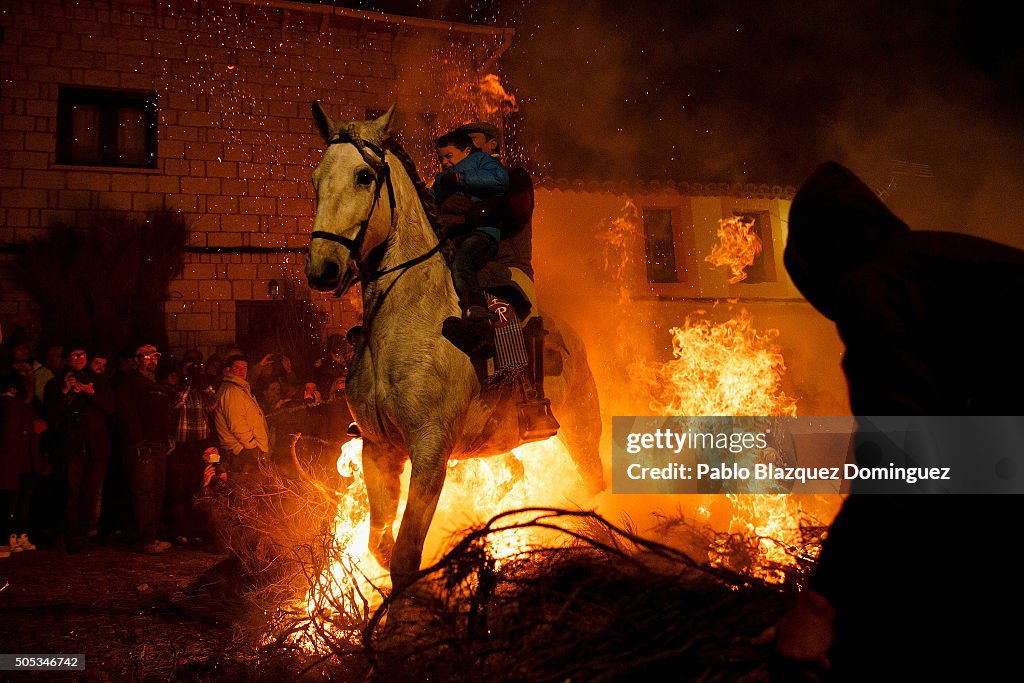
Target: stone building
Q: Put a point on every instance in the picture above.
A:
(204, 107)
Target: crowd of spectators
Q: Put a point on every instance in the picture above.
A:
(118, 449)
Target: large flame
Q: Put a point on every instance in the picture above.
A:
(718, 369)
(731, 369)
(493, 97)
(737, 248)
(536, 474)
(621, 239)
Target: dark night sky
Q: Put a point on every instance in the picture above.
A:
(764, 91)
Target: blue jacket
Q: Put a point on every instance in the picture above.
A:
(480, 175)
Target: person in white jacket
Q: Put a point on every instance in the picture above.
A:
(238, 419)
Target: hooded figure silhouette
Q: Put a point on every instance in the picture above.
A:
(921, 585)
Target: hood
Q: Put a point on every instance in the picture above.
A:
(836, 223)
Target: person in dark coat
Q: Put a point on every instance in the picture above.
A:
(910, 587)
(509, 271)
(21, 460)
(512, 211)
(77, 402)
(146, 409)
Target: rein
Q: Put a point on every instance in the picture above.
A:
(355, 245)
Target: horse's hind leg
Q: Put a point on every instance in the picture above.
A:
(381, 472)
(581, 433)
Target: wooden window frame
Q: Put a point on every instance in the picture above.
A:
(109, 101)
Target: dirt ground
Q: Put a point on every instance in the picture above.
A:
(128, 613)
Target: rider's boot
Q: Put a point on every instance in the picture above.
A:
(476, 308)
(472, 337)
(536, 421)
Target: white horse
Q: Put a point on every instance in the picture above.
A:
(412, 393)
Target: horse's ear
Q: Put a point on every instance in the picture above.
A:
(323, 122)
(385, 119)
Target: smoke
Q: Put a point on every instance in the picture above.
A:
(763, 92)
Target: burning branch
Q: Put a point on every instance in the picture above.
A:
(604, 604)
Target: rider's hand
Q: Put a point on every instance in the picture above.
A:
(804, 633)
(449, 182)
(448, 220)
(266, 360)
(457, 203)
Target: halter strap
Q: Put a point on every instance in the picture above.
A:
(355, 245)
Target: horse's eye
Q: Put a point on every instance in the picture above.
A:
(364, 177)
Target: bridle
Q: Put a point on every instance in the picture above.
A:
(380, 165)
(382, 169)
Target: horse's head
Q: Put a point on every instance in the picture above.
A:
(355, 200)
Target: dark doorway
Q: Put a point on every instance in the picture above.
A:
(289, 326)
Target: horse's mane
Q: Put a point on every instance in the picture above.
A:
(425, 195)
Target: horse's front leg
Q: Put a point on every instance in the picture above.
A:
(429, 451)
(382, 467)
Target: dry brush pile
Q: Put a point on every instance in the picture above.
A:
(602, 604)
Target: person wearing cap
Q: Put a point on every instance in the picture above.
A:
(512, 211)
(476, 175)
(77, 402)
(510, 271)
(146, 409)
(239, 421)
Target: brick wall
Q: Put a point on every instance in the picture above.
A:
(236, 140)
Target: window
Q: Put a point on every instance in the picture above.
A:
(106, 127)
(763, 268)
(661, 246)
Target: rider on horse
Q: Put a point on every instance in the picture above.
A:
(509, 275)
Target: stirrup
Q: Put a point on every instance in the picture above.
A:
(536, 421)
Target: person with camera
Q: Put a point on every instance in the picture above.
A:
(271, 366)
(208, 502)
(77, 402)
(146, 409)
